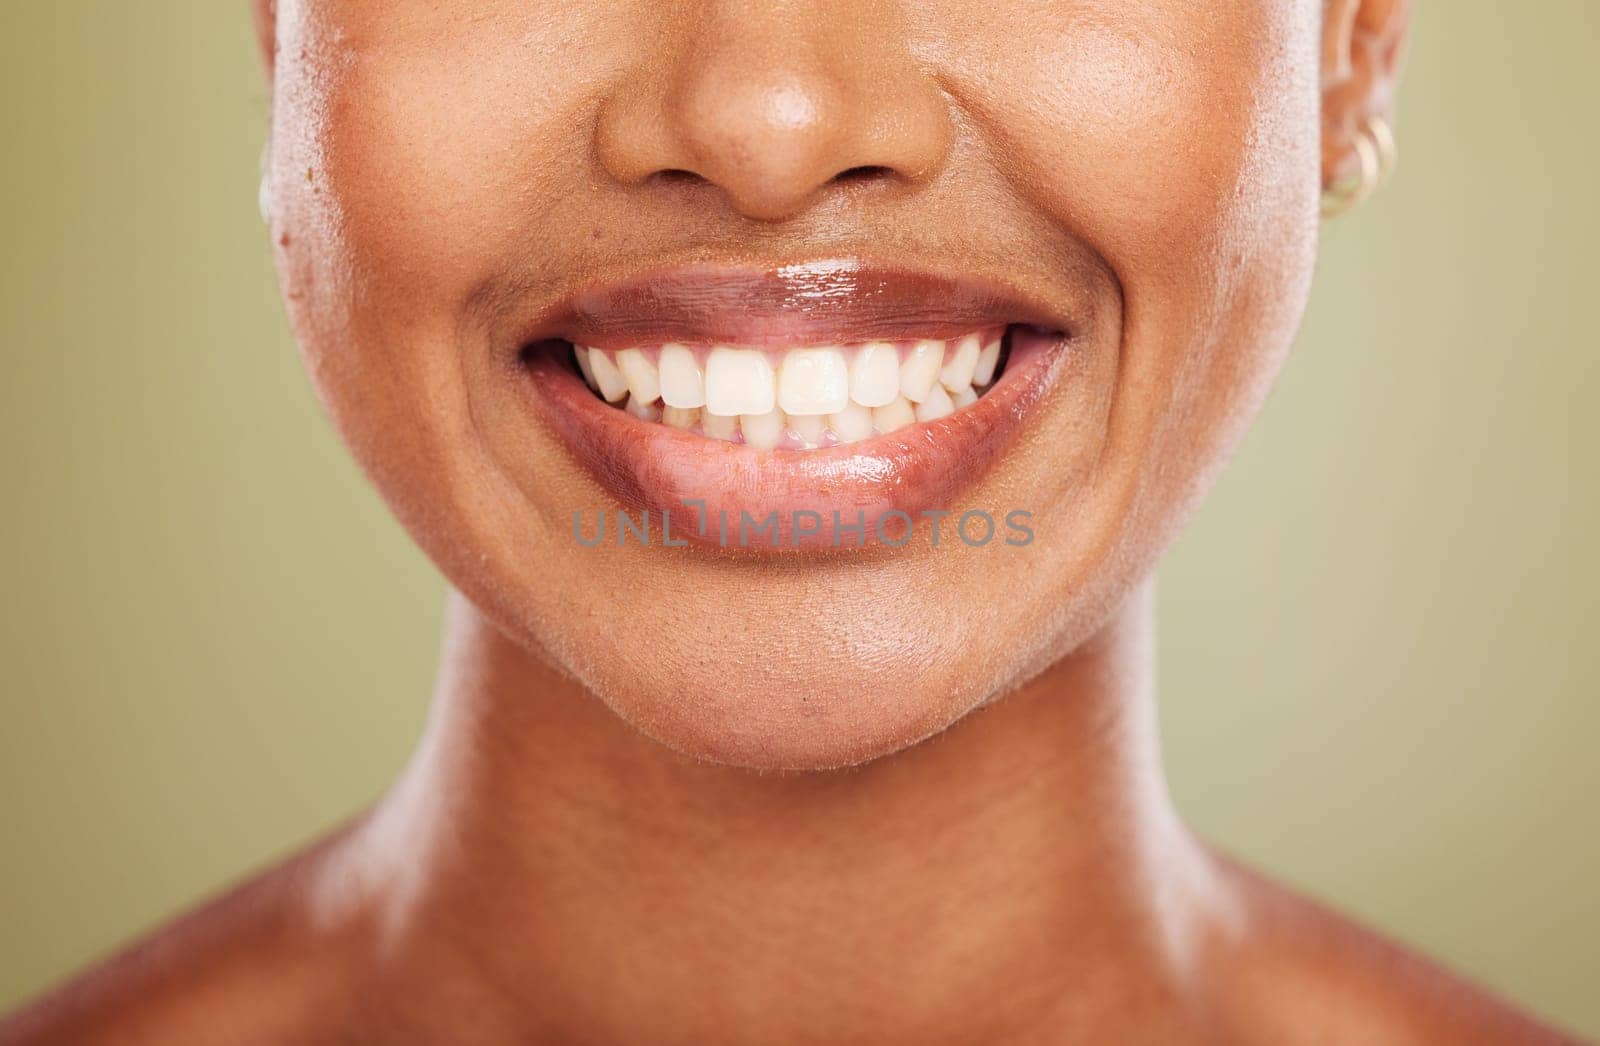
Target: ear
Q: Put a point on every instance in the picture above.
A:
(265, 14)
(1363, 51)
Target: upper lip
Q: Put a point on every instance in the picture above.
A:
(807, 303)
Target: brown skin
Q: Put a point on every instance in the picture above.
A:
(580, 851)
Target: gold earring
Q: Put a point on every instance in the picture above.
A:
(264, 199)
(1377, 155)
(1382, 136)
(264, 189)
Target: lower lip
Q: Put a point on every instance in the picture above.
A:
(703, 482)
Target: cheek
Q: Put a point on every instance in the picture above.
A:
(421, 148)
(1180, 142)
(1160, 133)
(423, 177)
(412, 157)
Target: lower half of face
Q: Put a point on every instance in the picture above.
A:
(795, 380)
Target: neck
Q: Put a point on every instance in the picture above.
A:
(609, 888)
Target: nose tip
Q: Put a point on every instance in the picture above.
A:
(774, 123)
(771, 144)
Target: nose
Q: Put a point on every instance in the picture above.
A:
(775, 103)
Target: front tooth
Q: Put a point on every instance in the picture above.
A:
(937, 405)
(644, 410)
(581, 354)
(988, 359)
(921, 369)
(957, 371)
(875, 374)
(851, 424)
(719, 426)
(681, 417)
(966, 397)
(813, 381)
(896, 415)
(808, 428)
(607, 378)
(739, 381)
(640, 374)
(762, 431)
(682, 384)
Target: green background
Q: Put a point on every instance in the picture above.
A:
(214, 642)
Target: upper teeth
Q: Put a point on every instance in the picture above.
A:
(802, 397)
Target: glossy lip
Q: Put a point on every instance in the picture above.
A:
(648, 466)
(814, 303)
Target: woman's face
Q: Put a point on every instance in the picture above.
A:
(464, 188)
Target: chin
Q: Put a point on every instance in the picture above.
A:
(770, 702)
(826, 730)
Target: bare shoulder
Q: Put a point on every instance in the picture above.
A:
(1300, 972)
(255, 965)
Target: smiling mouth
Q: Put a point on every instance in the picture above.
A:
(803, 398)
(834, 388)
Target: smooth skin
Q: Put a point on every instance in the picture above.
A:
(670, 797)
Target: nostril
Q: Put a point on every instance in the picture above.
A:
(863, 174)
(677, 176)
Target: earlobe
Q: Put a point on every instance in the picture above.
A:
(265, 15)
(1363, 51)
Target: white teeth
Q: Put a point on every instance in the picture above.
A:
(813, 381)
(798, 400)
(640, 374)
(896, 415)
(645, 410)
(921, 369)
(739, 381)
(851, 424)
(608, 380)
(808, 428)
(581, 354)
(988, 359)
(875, 374)
(718, 426)
(959, 363)
(681, 417)
(936, 406)
(682, 384)
(762, 431)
